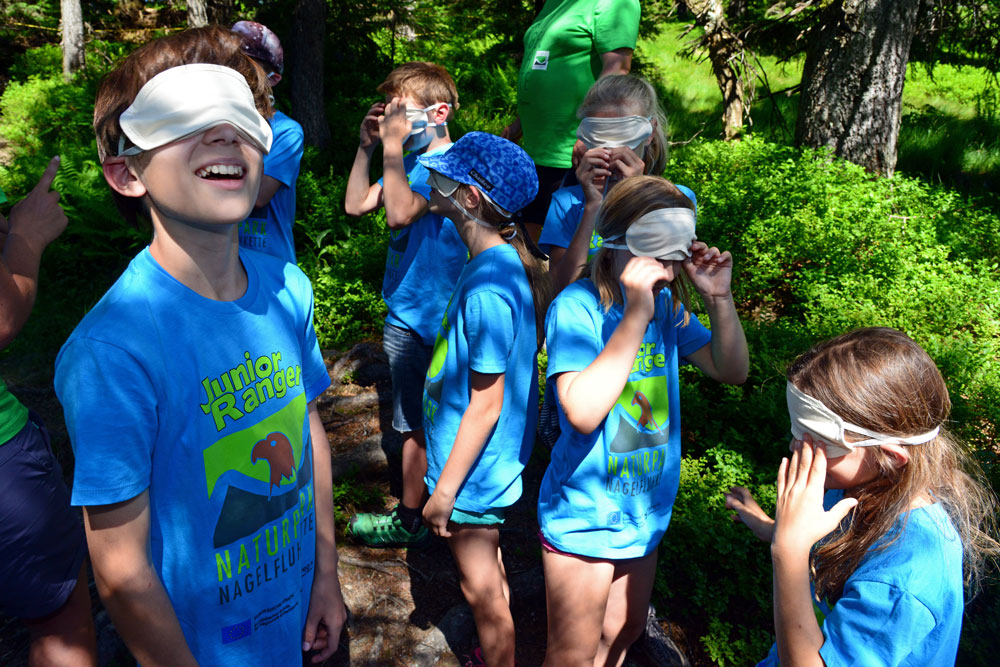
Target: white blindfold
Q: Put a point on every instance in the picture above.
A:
(418, 118)
(631, 131)
(188, 99)
(666, 233)
(808, 415)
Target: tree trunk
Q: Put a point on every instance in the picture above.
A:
(726, 52)
(72, 37)
(197, 13)
(308, 30)
(852, 83)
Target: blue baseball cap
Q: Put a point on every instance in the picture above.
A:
(499, 168)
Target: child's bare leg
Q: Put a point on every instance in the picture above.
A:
(628, 603)
(414, 469)
(503, 571)
(65, 637)
(484, 583)
(576, 594)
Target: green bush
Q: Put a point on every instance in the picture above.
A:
(42, 116)
(820, 247)
(729, 580)
(344, 258)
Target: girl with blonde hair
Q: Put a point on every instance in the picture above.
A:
(615, 341)
(622, 133)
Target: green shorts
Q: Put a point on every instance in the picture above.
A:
(493, 517)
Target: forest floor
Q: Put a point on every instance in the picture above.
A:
(406, 607)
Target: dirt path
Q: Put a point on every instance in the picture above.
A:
(406, 606)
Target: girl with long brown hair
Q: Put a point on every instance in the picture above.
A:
(880, 555)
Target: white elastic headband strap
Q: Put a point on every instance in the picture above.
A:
(447, 187)
(811, 415)
(188, 99)
(418, 124)
(666, 233)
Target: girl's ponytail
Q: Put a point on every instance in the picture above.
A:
(538, 275)
(538, 278)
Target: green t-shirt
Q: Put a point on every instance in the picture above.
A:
(13, 415)
(562, 60)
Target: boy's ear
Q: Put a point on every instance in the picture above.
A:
(441, 113)
(899, 454)
(122, 178)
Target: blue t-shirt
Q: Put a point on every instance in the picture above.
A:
(610, 493)
(903, 605)
(204, 404)
(489, 327)
(423, 262)
(269, 229)
(566, 211)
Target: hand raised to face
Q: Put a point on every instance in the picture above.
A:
(369, 126)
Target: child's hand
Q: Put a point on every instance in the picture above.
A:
(393, 127)
(369, 126)
(624, 163)
(579, 148)
(38, 217)
(325, 618)
(436, 513)
(640, 280)
(749, 513)
(592, 172)
(709, 270)
(800, 520)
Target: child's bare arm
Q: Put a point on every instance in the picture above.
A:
(800, 522)
(485, 403)
(726, 358)
(118, 537)
(403, 206)
(363, 196)
(741, 501)
(35, 221)
(588, 395)
(565, 264)
(327, 613)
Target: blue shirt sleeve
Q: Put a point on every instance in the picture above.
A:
(560, 223)
(416, 176)
(488, 326)
(573, 335)
(282, 162)
(317, 379)
(874, 623)
(110, 408)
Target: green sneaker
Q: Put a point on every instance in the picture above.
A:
(385, 530)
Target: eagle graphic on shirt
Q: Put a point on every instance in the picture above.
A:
(643, 415)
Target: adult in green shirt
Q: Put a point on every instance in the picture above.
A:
(570, 45)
